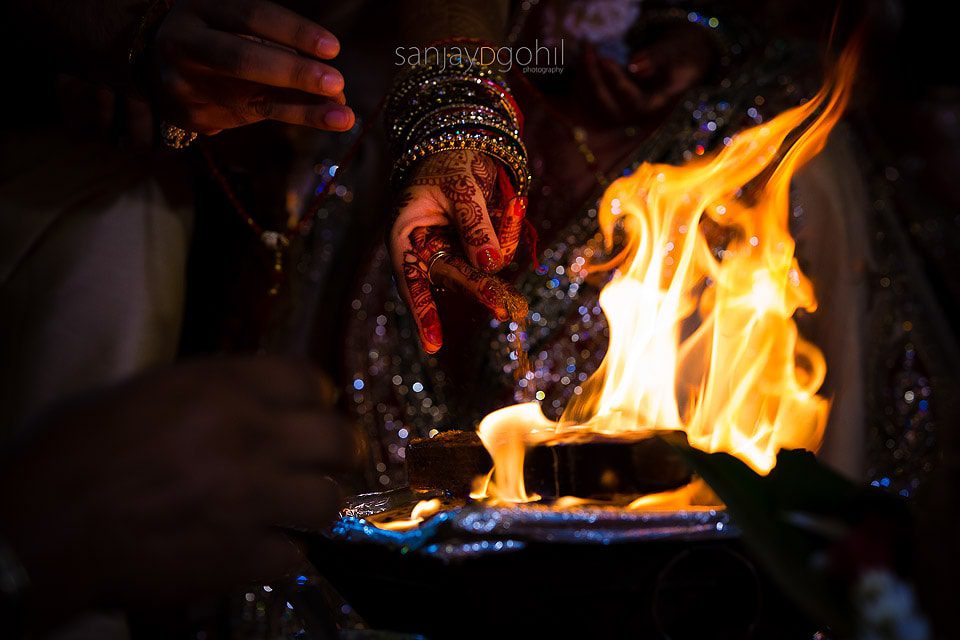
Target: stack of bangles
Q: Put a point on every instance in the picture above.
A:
(453, 103)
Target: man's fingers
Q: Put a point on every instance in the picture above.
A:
(238, 103)
(297, 108)
(209, 120)
(504, 302)
(241, 58)
(275, 23)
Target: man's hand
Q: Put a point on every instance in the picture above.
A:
(219, 64)
(455, 203)
(176, 485)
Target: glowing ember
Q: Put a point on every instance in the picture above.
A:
(421, 511)
(700, 341)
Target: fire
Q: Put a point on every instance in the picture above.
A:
(700, 341)
(421, 511)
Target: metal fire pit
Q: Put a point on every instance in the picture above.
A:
(473, 570)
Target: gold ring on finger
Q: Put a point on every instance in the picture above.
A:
(439, 255)
(176, 137)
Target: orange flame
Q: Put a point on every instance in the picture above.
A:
(421, 511)
(700, 341)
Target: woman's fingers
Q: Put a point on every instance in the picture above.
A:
(476, 229)
(422, 269)
(510, 214)
(411, 257)
(511, 226)
(411, 248)
(420, 300)
(426, 245)
(503, 301)
(276, 24)
(456, 193)
(465, 179)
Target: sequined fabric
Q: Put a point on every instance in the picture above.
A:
(345, 287)
(397, 392)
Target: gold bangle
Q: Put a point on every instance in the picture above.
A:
(513, 158)
(464, 124)
(403, 108)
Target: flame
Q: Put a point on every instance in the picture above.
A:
(421, 511)
(700, 341)
(501, 432)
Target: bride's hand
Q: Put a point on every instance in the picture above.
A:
(455, 204)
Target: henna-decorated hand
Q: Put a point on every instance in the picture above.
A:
(456, 193)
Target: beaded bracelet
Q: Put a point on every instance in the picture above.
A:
(457, 105)
(512, 145)
(439, 94)
(441, 112)
(513, 159)
(474, 119)
(404, 105)
(457, 74)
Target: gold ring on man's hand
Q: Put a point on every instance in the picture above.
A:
(176, 137)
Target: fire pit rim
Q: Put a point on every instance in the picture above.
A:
(475, 529)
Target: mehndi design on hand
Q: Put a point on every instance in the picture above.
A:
(456, 191)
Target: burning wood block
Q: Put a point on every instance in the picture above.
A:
(585, 466)
(450, 461)
(595, 465)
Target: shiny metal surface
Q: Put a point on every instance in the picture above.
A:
(476, 530)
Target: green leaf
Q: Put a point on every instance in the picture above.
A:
(757, 505)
